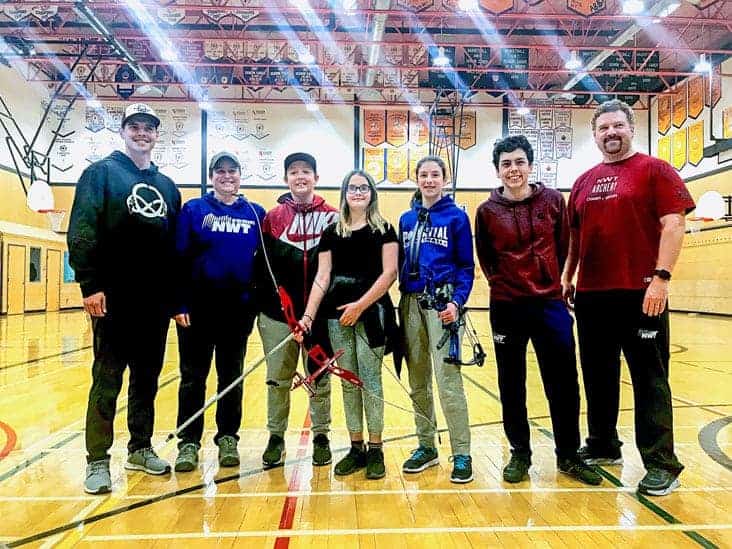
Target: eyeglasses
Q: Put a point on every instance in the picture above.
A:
(360, 189)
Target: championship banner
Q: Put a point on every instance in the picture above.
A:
(274, 51)
(562, 118)
(410, 78)
(467, 130)
(374, 127)
(397, 165)
(93, 119)
(664, 114)
(419, 131)
(373, 163)
(417, 55)
(416, 153)
(716, 92)
(680, 112)
(415, 5)
(664, 148)
(696, 142)
(394, 54)
(586, 7)
(396, 128)
(496, 6)
(546, 118)
(390, 77)
(514, 119)
(214, 49)
(678, 149)
(563, 143)
(171, 16)
(235, 50)
(696, 96)
(727, 122)
(349, 75)
(546, 144)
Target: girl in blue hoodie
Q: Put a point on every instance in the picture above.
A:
(217, 238)
(436, 276)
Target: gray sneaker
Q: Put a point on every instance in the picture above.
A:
(228, 452)
(187, 459)
(145, 459)
(98, 480)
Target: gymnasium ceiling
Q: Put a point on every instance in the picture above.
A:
(363, 51)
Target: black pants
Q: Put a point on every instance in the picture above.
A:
(608, 322)
(122, 340)
(549, 327)
(227, 333)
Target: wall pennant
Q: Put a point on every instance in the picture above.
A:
(664, 113)
(44, 13)
(696, 143)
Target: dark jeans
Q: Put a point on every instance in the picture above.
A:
(227, 333)
(136, 341)
(608, 322)
(548, 325)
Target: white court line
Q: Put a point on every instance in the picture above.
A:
(342, 493)
(413, 531)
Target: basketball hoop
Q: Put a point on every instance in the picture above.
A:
(55, 218)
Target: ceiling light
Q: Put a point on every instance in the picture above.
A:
(703, 65)
(307, 58)
(668, 10)
(169, 54)
(312, 107)
(419, 109)
(441, 60)
(633, 7)
(573, 63)
(468, 5)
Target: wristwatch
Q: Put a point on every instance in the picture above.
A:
(663, 274)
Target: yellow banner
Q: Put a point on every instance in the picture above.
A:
(374, 127)
(664, 148)
(727, 122)
(664, 113)
(416, 153)
(467, 130)
(696, 142)
(696, 96)
(680, 105)
(396, 128)
(373, 163)
(397, 165)
(678, 149)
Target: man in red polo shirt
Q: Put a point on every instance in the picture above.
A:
(627, 226)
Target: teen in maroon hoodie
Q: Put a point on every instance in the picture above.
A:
(522, 238)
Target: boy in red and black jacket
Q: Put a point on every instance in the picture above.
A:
(291, 232)
(522, 239)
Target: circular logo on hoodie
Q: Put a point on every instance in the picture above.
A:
(146, 201)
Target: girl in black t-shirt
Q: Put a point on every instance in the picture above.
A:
(357, 263)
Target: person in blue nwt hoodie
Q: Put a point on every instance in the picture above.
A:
(436, 277)
(217, 239)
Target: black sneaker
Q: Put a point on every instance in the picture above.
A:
(375, 467)
(591, 458)
(575, 467)
(462, 469)
(658, 482)
(321, 450)
(420, 459)
(354, 460)
(272, 456)
(517, 469)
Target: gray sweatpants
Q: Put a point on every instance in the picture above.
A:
(280, 369)
(423, 330)
(365, 362)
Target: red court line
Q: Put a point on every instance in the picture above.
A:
(10, 439)
(290, 505)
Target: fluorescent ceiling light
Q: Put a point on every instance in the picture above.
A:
(633, 7)
(573, 63)
(169, 54)
(441, 60)
(703, 65)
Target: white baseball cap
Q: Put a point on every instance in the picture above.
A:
(140, 109)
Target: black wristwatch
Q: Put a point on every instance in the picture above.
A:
(663, 274)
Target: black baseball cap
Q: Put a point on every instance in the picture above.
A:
(300, 157)
(215, 159)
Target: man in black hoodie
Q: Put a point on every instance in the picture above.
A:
(121, 246)
(522, 237)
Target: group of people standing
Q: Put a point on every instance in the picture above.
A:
(219, 263)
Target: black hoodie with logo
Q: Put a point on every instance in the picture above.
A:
(122, 234)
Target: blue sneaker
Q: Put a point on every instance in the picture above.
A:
(462, 469)
(420, 459)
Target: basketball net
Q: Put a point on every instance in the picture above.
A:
(55, 218)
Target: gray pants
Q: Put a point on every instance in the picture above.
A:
(365, 362)
(422, 331)
(280, 369)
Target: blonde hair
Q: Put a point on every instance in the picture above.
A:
(373, 216)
